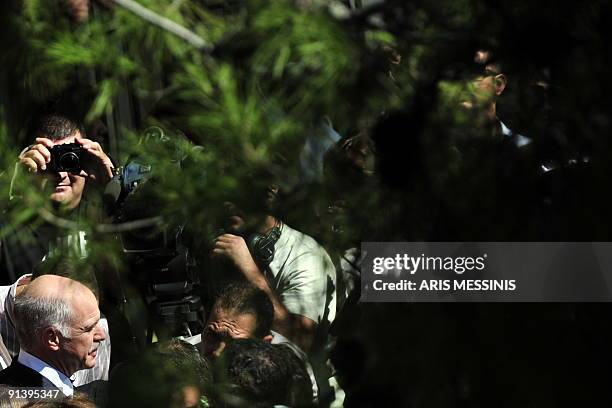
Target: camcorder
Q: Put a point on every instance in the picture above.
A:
(67, 157)
(160, 262)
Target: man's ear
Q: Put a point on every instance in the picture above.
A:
(500, 83)
(268, 338)
(51, 340)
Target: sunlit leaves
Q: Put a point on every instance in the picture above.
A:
(306, 53)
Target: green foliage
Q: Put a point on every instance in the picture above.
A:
(398, 72)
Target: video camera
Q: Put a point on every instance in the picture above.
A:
(159, 259)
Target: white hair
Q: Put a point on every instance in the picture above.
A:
(34, 314)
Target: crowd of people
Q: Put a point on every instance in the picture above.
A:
(274, 299)
(269, 292)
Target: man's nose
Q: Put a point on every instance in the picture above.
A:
(99, 333)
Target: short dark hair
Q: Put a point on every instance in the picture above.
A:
(57, 127)
(244, 298)
(185, 358)
(262, 375)
(157, 377)
(300, 386)
(255, 371)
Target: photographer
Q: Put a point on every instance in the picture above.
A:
(63, 165)
(56, 130)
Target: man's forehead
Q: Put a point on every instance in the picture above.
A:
(218, 315)
(245, 321)
(86, 318)
(89, 318)
(84, 301)
(65, 140)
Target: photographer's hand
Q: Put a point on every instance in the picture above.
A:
(235, 249)
(37, 156)
(99, 167)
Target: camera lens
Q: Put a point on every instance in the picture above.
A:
(70, 162)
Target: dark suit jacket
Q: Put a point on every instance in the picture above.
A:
(18, 375)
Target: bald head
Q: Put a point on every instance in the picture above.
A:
(56, 287)
(49, 301)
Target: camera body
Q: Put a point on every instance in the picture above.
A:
(67, 157)
(162, 267)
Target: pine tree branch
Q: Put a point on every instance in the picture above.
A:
(130, 225)
(101, 228)
(165, 24)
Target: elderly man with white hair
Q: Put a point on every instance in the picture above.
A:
(57, 321)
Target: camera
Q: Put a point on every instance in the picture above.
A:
(67, 157)
(162, 266)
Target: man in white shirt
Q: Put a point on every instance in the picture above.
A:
(294, 271)
(57, 322)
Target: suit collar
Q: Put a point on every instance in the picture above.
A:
(56, 377)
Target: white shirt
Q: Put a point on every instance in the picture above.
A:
(57, 378)
(5, 357)
(303, 276)
(7, 326)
